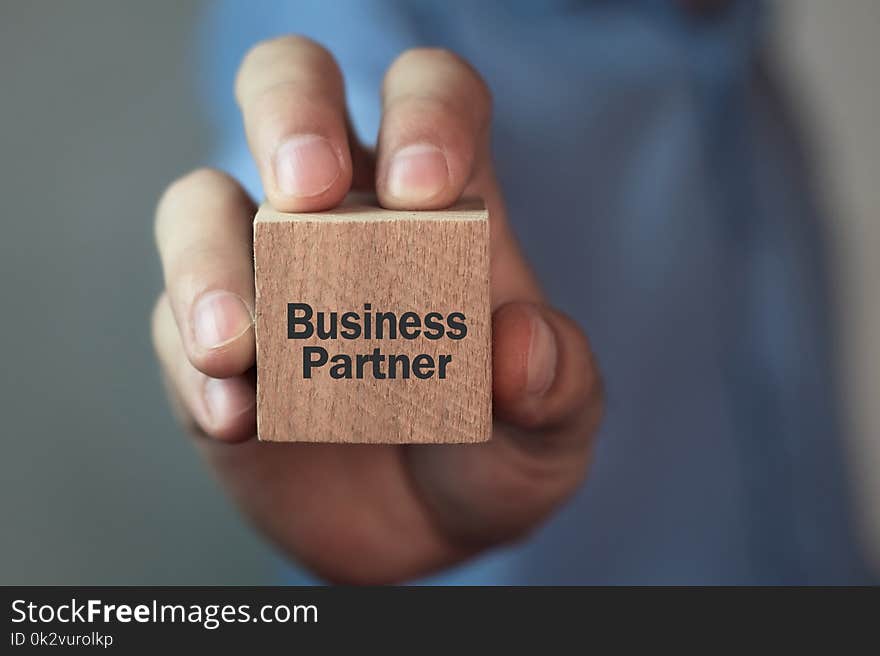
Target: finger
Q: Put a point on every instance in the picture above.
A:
(221, 408)
(204, 231)
(434, 146)
(543, 373)
(291, 94)
(547, 400)
(434, 132)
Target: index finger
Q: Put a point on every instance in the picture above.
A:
(292, 99)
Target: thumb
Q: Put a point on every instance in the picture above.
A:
(544, 373)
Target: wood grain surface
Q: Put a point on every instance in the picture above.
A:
(395, 261)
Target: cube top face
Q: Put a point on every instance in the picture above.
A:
(373, 325)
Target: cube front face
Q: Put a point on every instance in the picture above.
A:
(373, 326)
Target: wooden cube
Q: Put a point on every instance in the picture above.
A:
(373, 325)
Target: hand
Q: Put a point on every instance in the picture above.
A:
(365, 513)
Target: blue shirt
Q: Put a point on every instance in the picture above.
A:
(654, 178)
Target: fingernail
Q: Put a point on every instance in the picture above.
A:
(542, 357)
(226, 400)
(220, 317)
(417, 172)
(305, 165)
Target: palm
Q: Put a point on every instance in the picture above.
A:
(389, 512)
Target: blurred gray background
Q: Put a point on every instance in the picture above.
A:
(99, 485)
(97, 115)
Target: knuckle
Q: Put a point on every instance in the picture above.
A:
(207, 183)
(259, 55)
(186, 280)
(181, 189)
(415, 56)
(198, 268)
(450, 66)
(268, 49)
(438, 57)
(477, 86)
(430, 110)
(206, 177)
(309, 54)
